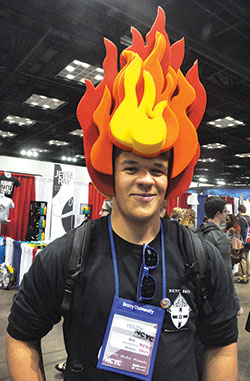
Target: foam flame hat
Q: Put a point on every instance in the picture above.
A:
(148, 108)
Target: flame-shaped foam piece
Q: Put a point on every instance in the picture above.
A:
(148, 107)
(139, 127)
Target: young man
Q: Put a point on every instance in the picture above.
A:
(244, 222)
(216, 211)
(138, 309)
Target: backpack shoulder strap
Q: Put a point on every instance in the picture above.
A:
(197, 267)
(77, 246)
(204, 229)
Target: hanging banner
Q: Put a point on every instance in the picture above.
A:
(62, 216)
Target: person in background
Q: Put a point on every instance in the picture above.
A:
(188, 218)
(106, 208)
(217, 213)
(176, 214)
(244, 221)
(232, 226)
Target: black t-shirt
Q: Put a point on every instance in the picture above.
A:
(8, 184)
(37, 305)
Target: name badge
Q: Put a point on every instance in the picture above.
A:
(131, 339)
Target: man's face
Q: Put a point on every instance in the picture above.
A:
(223, 215)
(140, 186)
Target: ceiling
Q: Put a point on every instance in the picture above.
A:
(40, 38)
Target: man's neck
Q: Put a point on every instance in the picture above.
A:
(135, 232)
(215, 221)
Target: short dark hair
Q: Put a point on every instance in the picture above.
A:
(212, 205)
(242, 209)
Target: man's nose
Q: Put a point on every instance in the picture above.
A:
(145, 178)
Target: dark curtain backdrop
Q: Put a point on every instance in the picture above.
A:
(96, 199)
(19, 216)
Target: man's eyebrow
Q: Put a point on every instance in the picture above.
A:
(160, 164)
(126, 162)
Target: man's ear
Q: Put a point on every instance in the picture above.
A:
(218, 214)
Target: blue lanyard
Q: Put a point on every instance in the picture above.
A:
(112, 243)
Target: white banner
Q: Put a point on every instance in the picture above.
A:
(62, 216)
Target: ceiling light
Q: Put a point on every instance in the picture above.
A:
(243, 155)
(214, 146)
(202, 180)
(7, 134)
(58, 143)
(226, 122)
(30, 152)
(207, 160)
(12, 119)
(77, 132)
(70, 76)
(78, 71)
(99, 77)
(80, 156)
(221, 182)
(234, 166)
(70, 68)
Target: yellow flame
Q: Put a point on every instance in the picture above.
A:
(139, 127)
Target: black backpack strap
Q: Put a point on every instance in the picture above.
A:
(196, 267)
(206, 228)
(77, 251)
(77, 244)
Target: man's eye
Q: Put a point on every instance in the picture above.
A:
(130, 169)
(158, 172)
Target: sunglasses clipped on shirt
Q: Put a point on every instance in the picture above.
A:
(147, 285)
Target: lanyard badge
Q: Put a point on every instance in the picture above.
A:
(133, 331)
(131, 339)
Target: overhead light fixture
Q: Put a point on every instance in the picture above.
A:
(77, 132)
(7, 134)
(80, 156)
(226, 122)
(13, 119)
(243, 155)
(214, 146)
(221, 182)
(29, 152)
(78, 71)
(234, 166)
(44, 102)
(69, 158)
(202, 180)
(58, 143)
(207, 160)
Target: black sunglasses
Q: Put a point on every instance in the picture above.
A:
(147, 285)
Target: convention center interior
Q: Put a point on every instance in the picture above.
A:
(49, 49)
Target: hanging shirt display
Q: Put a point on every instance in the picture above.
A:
(5, 205)
(8, 184)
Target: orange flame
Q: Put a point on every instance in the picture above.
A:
(148, 107)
